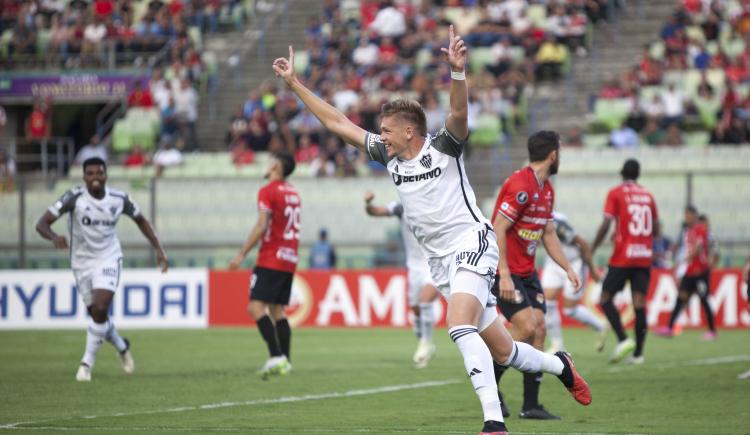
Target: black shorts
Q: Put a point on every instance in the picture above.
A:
(272, 286)
(696, 283)
(639, 278)
(530, 292)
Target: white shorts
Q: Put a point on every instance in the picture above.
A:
(418, 277)
(554, 277)
(105, 276)
(478, 254)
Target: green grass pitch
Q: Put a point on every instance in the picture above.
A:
(348, 381)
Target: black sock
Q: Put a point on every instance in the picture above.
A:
(614, 319)
(709, 313)
(531, 383)
(676, 312)
(284, 333)
(640, 330)
(268, 332)
(499, 371)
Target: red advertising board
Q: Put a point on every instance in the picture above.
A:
(378, 298)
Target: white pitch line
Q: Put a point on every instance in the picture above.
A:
(689, 363)
(151, 429)
(285, 399)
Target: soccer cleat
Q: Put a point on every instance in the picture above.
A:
(745, 375)
(573, 381)
(126, 358)
(492, 427)
(623, 349)
(276, 365)
(84, 373)
(635, 360)
(538, 413)
(709, 336)
(664, 331)
(423, 355)
(601, 339)
(503, 406)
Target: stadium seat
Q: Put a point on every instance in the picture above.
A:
(611, 112)
(487, 130)
(595, 141)
(480, 58)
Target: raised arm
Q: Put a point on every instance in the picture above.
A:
(333, 120)
(148, 231)
(458, 119)
(374, 210)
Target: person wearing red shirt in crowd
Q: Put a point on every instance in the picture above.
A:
(695, 271)
(633, 210)
(136, 158)
(522, 219)
(140, 96)
(38, 125)
(278, 227)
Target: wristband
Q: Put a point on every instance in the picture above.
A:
(458, 75)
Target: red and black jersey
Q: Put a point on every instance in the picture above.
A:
(634, 210)
(528, 204)
(278, 250)
(697, 237)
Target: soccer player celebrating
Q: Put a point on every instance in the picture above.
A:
(441, 210)
(96, 255)
(523, 218)
(278, 227)
(422, 291)
(554, 279)
(633, 209)
(696, 273)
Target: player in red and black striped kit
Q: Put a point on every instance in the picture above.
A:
(633, 210)
(271, 283)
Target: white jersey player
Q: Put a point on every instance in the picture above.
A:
(96, 255)
(440, 208)
(422, 291)
(554, 279)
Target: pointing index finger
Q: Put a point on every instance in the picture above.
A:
(451, 34)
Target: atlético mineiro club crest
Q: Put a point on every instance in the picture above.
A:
(426, 161)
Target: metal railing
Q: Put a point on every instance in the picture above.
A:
(54, 157)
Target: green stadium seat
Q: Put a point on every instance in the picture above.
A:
(696, 139)
(121, 142)
(657, 50)
(480, 58)
(537, 14)
(595, 141)
(487, 131)
(611, 112)
(695, 33)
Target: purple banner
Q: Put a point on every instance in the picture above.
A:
(70, 87)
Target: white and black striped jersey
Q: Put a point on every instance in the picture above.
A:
(414, 256)
(93, 237)
(439, 204)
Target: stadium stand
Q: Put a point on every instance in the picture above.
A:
(693, 77)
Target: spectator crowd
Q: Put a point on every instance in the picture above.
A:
(357, 58)
(694, 78)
